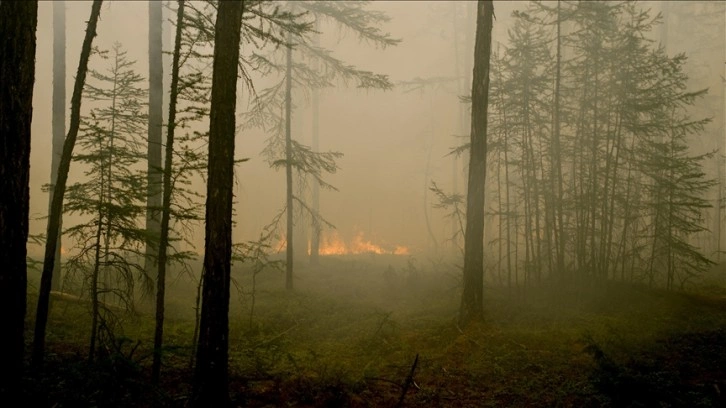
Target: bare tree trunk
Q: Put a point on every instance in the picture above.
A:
(94, 282)
(18, 21)
(210, 385)
(557, 156)
(56, 209)
(166, 200)
(58, 118)
(315, 238)
(288, 169)
(154, 165)
(472, 306)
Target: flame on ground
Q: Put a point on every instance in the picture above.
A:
(332, 244)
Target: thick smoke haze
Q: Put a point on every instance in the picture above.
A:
(395, 142)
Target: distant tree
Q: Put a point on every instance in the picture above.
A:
(110, 254)
(421, 84)
(587, 141)
(166, 198)
(500, 146)
(676, 183)
(315, 146)
(472, 306)
(526, 64)
(18, 21)
(56, 209)
(210, 384)
(288, 169)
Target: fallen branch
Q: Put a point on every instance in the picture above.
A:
(408, 382)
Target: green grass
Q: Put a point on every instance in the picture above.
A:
(348, 335)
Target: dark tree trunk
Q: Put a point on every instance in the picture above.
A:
(471, 300)
(166, 201)
(154, 169)
(210, 375)
(59, 116)
(18, 21)
(41, 318)
(288, 169)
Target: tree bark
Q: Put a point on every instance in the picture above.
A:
(166, 200)
(54, 217)
(471, 300)
(154, 169)
(210, 375)
(18, 22)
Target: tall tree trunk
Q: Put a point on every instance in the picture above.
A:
(472, 306)
(41, 318)
(166, 201)
(59, 117)
(315, 102)
(288, 168)
(557, 156)
(210, 374)
(18, 21)
(460, 89)
(154, 169)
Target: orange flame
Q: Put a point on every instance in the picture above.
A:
(332, 244)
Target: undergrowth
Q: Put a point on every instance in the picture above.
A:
(349, 334)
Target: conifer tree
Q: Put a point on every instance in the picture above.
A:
(110, 243)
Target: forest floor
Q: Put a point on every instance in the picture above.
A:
(348, 336)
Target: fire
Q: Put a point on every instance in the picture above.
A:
(332, 244)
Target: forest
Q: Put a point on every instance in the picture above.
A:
(318, 203)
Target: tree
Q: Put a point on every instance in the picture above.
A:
(472, 306)
(288, 168)
(59, 114)
(166, 199)
(112, 195)
(56, 208)
(154, 169)
(18, 21)
(210, 374)
(676, 184)
(315, 145)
